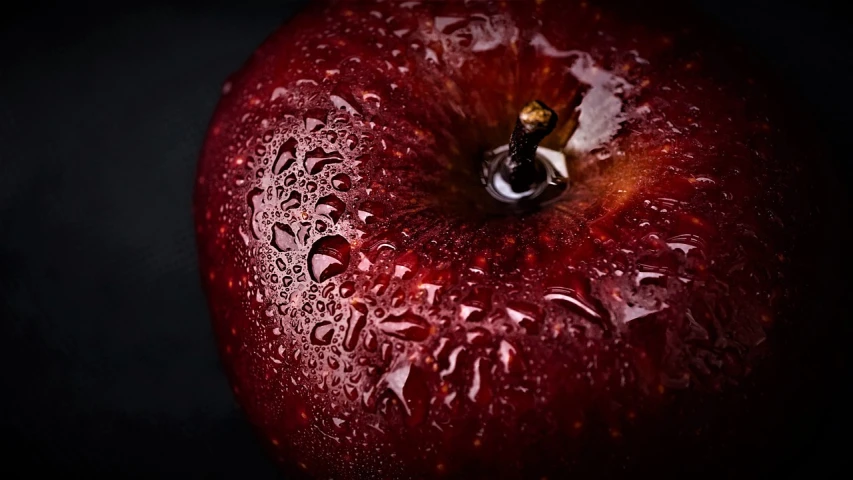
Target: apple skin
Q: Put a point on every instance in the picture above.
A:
(379, 316)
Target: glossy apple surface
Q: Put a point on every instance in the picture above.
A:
(381, 316)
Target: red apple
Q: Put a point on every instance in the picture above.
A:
(383, 314)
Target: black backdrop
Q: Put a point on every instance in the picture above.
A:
(106, 357)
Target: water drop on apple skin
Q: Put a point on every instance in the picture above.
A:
(406, 326)
(341, 182)
(329, 256)
(322, 333)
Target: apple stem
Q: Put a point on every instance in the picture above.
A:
(520, 167)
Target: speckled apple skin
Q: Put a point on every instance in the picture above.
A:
(379, 316)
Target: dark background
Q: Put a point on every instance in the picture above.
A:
(107, 360)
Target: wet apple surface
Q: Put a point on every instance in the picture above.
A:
(382, 316)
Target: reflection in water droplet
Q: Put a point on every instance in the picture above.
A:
(328, 257)
(370, 341)
(283, 238)
(255, 199)
(317, 159)
(631, 311)
(452, 360)
(294, 200)
(315, 119)
(347, 289)
(330, 206)
(405, 265)
(352, 141)
(569, 297)
(341, 182)
(371, 212)
(304, 232)
(476, 306)
(430, 290)
(478, 337)
(285, 157)
(356, 322)
(350, 391)
(343, 100)
(509, 356)
(333, 363)
(685, 243)
(407, 326)
(481, 390)
(525, 315)
(322, 333)
(407, 382)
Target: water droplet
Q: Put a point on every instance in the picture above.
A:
(318, 158)
(255, 199)
(386, 352)
(347, 289)
(509, 357)
(328, 257)
(525, 315)
(380, 285)
(290, 180)
(476, 306)
(351, 392)
(315, 119)
(408, 383)
(330, 206)
(371, 98)
(407, 326)
(294, 200)
(352, 141)
(322, 333)
(278, 92)
(478, 337)
(405, 265)
(448, 25)
(341, 182)
(356, 322)
(430, 289)
(481, 389)
(370, 341)
(280, 264)
(573, 293)
(304, 232)
(343, 100)
(283, 238)
(285, 157)
(398, 298)
(685, 243)
(452, 361)
(333, 363)
(371, 212)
